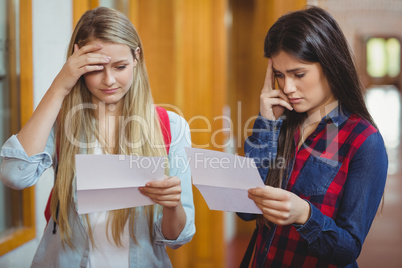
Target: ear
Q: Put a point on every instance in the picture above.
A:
(137, 55)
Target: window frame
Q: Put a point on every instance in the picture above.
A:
(21, 235)
(385, 80)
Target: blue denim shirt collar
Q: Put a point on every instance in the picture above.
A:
(338, 116)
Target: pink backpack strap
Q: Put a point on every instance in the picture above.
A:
(165, 126)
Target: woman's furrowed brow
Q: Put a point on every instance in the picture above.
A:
(294, 70)
(120, 61)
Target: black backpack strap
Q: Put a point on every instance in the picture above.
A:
(249, 252)
(57, 215)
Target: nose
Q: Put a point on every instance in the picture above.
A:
(288, 86)
(108, 78)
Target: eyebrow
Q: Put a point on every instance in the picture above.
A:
(291, 70)
(121, 61)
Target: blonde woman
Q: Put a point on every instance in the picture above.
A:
(100, 103)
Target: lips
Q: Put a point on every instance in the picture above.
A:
(109, 90)
(295, 100)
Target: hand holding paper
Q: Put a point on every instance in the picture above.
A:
(224, 179)
(165, 192)
(107, 182)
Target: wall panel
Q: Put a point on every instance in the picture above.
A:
(185, 51)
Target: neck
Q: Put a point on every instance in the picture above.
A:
(316, 116)
(105, 111)
(108, 119)
(313, 119)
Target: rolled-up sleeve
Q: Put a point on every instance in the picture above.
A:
(178, 166)
(262, 147)
(18, 170)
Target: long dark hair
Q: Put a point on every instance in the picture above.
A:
(312, 35)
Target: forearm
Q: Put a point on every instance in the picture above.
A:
(262, 147)
(262, 144)
(33, 136)
(329, 241)
(173, 221)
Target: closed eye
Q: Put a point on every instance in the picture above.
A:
(278, 75)
(300, 75)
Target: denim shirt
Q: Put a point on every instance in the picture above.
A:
(332, 236)
(20, 171)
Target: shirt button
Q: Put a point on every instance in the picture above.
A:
(22, 166)
(265, 250)
(275, 129)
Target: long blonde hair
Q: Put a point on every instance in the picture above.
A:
(110, 26)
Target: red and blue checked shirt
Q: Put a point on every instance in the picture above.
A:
(341, 171)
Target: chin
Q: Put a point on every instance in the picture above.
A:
(299, 110)
(109, 101)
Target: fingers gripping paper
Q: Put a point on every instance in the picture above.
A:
(224, 179)
(108, 182)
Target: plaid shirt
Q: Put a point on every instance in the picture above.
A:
(341, 171)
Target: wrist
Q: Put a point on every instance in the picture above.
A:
(59, 89)
(306, 213)
(56, 92)
(172, 208)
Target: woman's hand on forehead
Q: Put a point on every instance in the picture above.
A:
(272, 102)
(82, 61)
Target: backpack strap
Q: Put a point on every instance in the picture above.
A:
(47, 208)
(167, 137)
(249, 252)
(165, 126)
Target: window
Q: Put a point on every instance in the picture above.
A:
(17, 222)
(383, 57)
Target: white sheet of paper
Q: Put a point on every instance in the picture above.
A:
(224, 179)
(108, 182)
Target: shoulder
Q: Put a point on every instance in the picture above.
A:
(360, 125)
(176, 121)
(179, 128)
(374, 143)
(365, 137)
(358, 130)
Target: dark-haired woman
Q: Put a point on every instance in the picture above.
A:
(318, 207)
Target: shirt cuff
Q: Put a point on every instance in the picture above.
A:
(185, 236)
(13, 149)
(313, 226)
(267, 130)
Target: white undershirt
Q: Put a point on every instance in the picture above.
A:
(106, 253)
